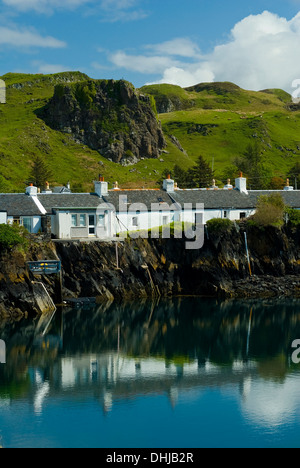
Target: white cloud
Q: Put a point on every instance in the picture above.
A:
(48, 68)
(27, 38)
(108, 10)
(141, 63)
(261, 52)
(181, 47)
(187, 77)
(44, 6)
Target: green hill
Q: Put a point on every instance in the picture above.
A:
(216, 120)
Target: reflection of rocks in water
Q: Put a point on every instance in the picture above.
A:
(222, 331)
(179, 331)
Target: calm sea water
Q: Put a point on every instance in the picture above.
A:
(182, 373)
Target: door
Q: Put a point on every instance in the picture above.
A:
(92, 225)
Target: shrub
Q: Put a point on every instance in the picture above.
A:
(219, 225)
(270, 210)
(293, 216)
(12, 236)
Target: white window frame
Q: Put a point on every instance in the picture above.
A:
(74, 219)
(82, 220)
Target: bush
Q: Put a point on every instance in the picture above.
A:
(12, 236)
(219, 225)
(293, 216)
(270, 210)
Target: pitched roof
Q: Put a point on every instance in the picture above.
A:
(18, 204)
(65, 201)
(24, 205)
(140, 198)
(231, 199)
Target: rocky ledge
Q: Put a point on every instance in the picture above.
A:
(156, 267)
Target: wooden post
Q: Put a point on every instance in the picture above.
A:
(248, 256)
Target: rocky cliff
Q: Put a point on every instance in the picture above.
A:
(153, 267)
(108, 116)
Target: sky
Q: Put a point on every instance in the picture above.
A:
(254, 43)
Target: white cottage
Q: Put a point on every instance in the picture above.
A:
(105, 213)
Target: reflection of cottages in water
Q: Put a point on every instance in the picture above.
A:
(112, 377)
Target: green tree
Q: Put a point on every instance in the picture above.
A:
(294, 175)
(40, 173)
(201, 175)
(253, 165)
(178, 174)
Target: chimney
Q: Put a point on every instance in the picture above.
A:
(214, 187)
(228, 186)
(241, 184)
(47, 188)
(116, 186)
(288, 188)
(31, 191)
(101, 187)
(169, 184)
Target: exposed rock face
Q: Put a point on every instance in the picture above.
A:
(110, 117)
(163, 266)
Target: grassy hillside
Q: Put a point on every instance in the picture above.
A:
(219, 120)
(214, 120)
(24, 135)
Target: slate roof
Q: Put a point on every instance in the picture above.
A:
(231, 199)
(66, 201)
(18, 204)
(140, 198)
(23, 205)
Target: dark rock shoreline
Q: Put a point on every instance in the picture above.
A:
(157, 267)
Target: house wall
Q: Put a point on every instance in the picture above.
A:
(36, 222)
(62, 225)
(3, 218)
(146, 220)
(233, 215)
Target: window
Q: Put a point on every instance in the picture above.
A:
(135, 221)
(82, 220)
(17, 220)
(225, 214)
(92, 225)
(101, 220)
(27, 223)
(242, 215)
(74, 220)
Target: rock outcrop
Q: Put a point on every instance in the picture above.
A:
(108, 116)
(153, 267)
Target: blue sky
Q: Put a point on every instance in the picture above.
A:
(254, 44)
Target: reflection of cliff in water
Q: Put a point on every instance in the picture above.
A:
(189, 328)
(177, 330)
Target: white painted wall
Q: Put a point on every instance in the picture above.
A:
(146, 220)
(36, 222)
(3, 218)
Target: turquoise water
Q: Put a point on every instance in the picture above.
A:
(182, 373)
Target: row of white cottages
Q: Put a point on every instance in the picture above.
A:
(107, 213)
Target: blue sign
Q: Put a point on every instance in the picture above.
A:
(45, 267)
